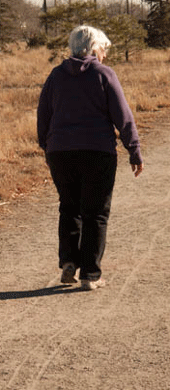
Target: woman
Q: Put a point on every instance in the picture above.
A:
(80, 106)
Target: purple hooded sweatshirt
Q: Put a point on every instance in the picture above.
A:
(80, 106)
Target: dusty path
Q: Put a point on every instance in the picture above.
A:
(117, 338)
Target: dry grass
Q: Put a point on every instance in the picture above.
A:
(145, 81)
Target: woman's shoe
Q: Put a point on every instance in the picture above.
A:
(68, 273)
(92, 284)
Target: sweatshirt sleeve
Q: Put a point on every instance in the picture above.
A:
(121, 116)
(44, 113)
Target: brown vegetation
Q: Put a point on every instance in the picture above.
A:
(145, 82)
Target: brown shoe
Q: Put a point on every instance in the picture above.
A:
(68, 273)
(92, 284)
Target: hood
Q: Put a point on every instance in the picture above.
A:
(75, 66)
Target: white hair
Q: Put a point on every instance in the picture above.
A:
(86, 40)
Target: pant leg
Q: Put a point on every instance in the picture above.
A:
(98, 176)
(66, 179)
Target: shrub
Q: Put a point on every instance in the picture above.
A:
(36, 40)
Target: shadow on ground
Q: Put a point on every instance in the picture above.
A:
(39, 293)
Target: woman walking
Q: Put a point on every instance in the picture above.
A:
(80, 106)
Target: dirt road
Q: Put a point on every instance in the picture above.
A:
(116, 338)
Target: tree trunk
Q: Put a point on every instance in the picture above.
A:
(45, 10)
(45, 6)
(127, 55)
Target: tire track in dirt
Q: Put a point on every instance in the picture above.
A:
(105, 312)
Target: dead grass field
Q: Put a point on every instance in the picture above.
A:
(145, 80)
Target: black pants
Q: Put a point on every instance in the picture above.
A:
(84, 180)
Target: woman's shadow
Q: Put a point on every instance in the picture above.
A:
(60, 289)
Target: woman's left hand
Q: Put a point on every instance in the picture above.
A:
(137, 169)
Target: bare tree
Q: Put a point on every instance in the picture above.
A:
(16, 19)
